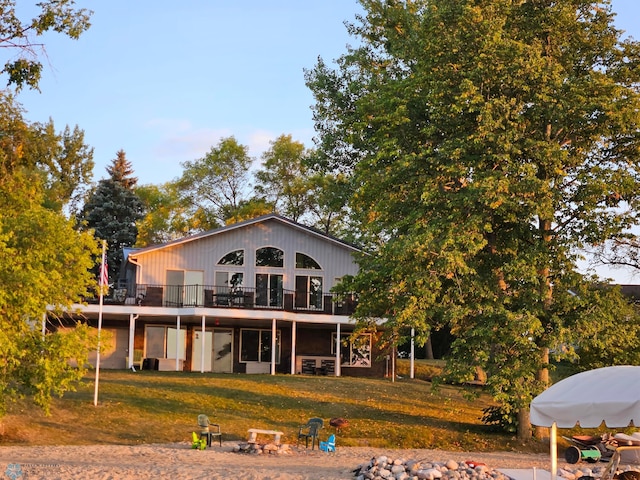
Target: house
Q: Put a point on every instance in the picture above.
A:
(252, 297)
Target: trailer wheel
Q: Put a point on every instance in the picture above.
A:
(572, 455)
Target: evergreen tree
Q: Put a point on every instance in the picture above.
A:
(112, 210)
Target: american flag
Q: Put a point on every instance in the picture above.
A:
(104, 272)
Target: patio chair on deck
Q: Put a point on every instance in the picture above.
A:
(310, 431)
(209, 430)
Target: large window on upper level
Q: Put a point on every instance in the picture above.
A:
(233, 258)
(308, 292)
(308, 287)
(305, 261)
(269, 257)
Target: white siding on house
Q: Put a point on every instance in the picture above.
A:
(203, 254)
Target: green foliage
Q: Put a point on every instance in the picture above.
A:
(283, 180)
(247, 209)
(112, 210)
(605, 328)
(501, 417)
(64, 161)
(215, 185)
(487, 142)
(57, 15)
(45, 376)
(329, 210)
(61, 160)
(44, 262)
(166, 215)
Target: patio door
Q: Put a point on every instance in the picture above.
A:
(221, 353)
(269, 290)
(201, 344)
(184, 288)
(217, 350)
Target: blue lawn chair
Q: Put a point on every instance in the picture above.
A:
(329, 445)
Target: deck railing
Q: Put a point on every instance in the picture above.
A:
(226, 297)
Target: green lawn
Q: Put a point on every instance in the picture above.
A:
(162, 407)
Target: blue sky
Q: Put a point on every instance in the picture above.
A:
(164, 80)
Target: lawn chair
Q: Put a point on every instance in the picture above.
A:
(329, 445)
(197, 443)
(624, 461)
(310, 431)
(137, 360)
(209, 430)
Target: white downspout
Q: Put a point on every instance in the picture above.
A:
(294, 328)
(273, 346)
(134, 261)
(178, 343)
(202, 345)
(338, 355)
(132, 334)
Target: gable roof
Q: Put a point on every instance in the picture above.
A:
(228, 228)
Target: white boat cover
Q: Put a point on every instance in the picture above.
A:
(610, 395)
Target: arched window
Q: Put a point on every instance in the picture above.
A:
(233, 258)
(269, 257)
(305, 261)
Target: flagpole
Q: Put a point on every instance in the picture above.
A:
(101, 283)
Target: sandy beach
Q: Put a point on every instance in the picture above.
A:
(179, 461)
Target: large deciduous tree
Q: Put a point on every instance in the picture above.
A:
(218, 183)
(489, 141)
(301, 186)
(283, 179)
(65, 162)
(112, 210)
(44, 262)
(166, 215)
(25, 68)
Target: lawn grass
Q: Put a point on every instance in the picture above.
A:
(162, 407)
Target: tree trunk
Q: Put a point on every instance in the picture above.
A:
(524, 425)
(543, 375)
(428, 349)
(546, 293)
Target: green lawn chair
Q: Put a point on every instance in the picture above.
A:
(310, 431)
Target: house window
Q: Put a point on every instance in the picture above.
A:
(308, 292)
(305, 261)
(165, 342)
(353, 353)
(255, 345)
(229, 281)
(268, 290)
(269, 257)
(233, 258)
(228, 289)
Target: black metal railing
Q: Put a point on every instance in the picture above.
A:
(231, 297)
